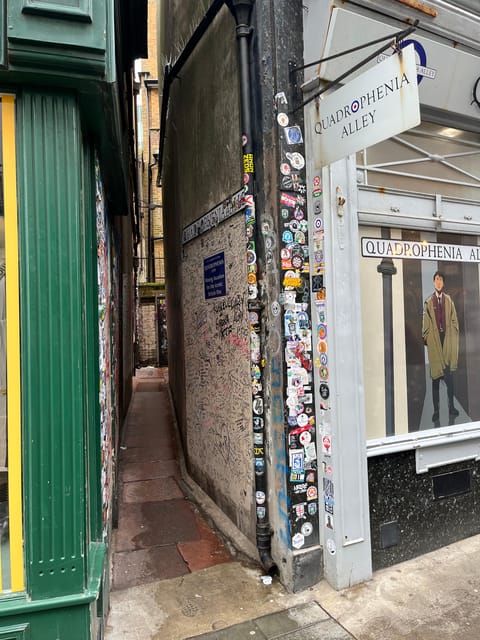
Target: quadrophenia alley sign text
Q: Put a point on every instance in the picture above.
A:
(378, 104)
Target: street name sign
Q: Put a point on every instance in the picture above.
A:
(378, 104)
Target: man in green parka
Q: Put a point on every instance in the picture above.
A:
(440, 334)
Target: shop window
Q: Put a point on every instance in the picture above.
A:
(421, 358)
(419, 232)
(11, 535)
(427, 159)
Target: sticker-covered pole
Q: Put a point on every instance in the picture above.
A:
(242, 10)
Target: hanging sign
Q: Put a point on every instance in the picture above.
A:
(378, 104)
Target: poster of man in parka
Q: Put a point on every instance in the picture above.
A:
(441, 336)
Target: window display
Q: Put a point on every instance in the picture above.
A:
(421, 327)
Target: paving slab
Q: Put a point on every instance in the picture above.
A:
(151, 490)
(133, 471)
(148, 454)
(141, 566)
(155, 523)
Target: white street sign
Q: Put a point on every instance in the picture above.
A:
(378, 104)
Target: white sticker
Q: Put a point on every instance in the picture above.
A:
(298, 541)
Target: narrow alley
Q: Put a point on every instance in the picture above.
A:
(161, 534)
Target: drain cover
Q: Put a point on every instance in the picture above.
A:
(190, 609)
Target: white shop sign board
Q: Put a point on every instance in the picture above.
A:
(378, 104)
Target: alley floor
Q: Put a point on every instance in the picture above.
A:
(161, 533)
(175, 577)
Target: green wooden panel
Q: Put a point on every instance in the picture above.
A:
(52, 342)
(58, 37)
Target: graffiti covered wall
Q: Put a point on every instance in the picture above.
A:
(217, 368)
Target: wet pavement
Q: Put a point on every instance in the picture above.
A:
(161, 533)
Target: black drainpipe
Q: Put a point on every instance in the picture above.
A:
(242, 10)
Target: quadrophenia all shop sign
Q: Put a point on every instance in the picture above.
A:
(378, 104)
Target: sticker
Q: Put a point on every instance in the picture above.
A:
(288, 200)
(323, 373)
(331, 546)
(293, 134)
(312, 508)
(281, 98)
(324, 391)
(302, 420)
(327, 445)
(282, 119)
(297, 476)
(244, 140)
(316, 193)
(258, 406)
(285, 168)
(305, 438)
(317, 181)
(329, 521)
(307, 529)
(251, 257)
(258, 438)
(260, 497)
(287, 236)
(298, 541)
(322, 331)
(251, 278)
(296, 459)
(300, 511)
(318, 223)
(257, 423)
(259, 466)
(276, 308)
(297, 262)
(312, 493)
(310, 452)
(261, 513)
(296, 160)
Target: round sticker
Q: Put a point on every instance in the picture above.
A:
(260, 497)
(297, 262)
(275, 308)
(305, 437)
(282, 119)
(323, 358)
(302, 420)
(316, 181)
(318, 223)
(307, 528)
(322, 331)
(251, 257)
(285, 168)
(252, 278)
(323, 372)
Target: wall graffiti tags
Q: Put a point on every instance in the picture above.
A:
(217, 368)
